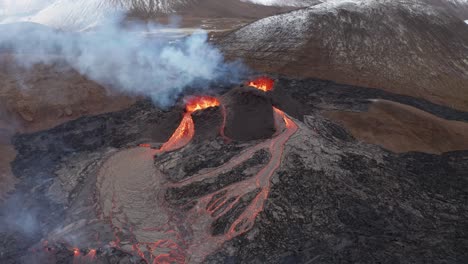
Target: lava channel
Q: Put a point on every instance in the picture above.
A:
(202, 216)
(130, 191)
(186, 129)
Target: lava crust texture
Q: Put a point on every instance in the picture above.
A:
(296, 189)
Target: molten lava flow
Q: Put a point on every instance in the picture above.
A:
(182, 136)
(91, 256)
(76, 256)
(159, 239)
(263, 178)
(200, 102)
(213, 206)
(263, 83)
(184, 133)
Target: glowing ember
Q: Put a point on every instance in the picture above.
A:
(263, 83)
(90, 257)
(200, 102)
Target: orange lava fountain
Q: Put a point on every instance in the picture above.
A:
(262, 83)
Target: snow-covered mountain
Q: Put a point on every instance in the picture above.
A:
(65, 14)
(83, 14)
(298, 3)
(412, 47)
(22, 7)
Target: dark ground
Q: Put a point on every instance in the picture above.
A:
(333, 200)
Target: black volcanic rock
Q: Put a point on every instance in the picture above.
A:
(184, 194)
(249, 114)
(333, 199)
(342, 201)
(207, 123)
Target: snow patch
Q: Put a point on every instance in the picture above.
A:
(74, 15)
(298, 3)
(21, 7)
(77, 15)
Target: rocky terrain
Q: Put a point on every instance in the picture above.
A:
(42, 97)
(296, 3)
(286, 167)
(370, 43)
(401, 128)
(331, 199)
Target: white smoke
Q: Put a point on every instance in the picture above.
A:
(119, 58)
(122, 58)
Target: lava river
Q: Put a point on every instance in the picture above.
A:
(131, 189)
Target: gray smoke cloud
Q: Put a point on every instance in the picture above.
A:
(120, 58)
(123, 58)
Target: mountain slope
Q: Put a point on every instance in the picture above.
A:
(83, 14)
(298, 3)
(373, 43)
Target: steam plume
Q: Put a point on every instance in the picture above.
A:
(123, 58)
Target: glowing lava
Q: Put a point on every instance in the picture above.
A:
(262, 83)
(200, 102)
(214, 205)
(184, 133)
(91, 256)
(130, 188)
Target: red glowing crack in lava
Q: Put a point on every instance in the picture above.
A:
(203, 214)
(169, 245)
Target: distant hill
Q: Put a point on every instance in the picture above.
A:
(84, 14)
(411, 47)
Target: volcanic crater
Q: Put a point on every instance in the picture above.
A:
(223, 177)
(168, 213)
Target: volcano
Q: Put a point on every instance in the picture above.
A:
(154, 227)
(370, 43)
(267, 165)
(203, 187)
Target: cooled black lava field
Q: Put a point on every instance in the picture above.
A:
(291, 187)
